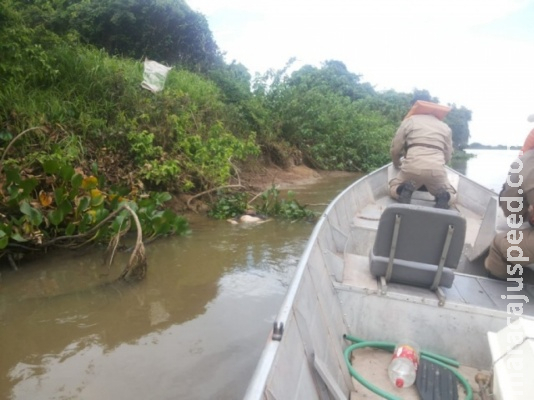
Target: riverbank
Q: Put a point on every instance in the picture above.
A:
(287, 178)
(258, 179)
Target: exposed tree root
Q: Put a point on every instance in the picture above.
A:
(136, 268)
(137, 265)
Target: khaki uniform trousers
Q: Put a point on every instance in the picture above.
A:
(433, 179)
(497, 260)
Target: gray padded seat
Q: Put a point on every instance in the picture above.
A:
(422, 236)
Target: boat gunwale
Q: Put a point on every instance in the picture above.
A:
(261, 373)
(258, 383)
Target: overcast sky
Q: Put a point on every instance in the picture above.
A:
(475, 53)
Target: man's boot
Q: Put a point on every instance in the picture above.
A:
(442, 199)
(405, 191)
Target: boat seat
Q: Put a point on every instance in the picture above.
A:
(418, 245)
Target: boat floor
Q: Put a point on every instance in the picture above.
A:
(472, 291)
(372, 365)
(471, 286)
(467, 290)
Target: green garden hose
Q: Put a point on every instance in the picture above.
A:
(436, 359)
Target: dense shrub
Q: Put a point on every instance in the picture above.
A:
(78, 132)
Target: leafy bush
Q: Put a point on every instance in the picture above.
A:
(230, 205)
(272, 205)
(71, 207)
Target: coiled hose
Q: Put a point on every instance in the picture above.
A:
(435, 358)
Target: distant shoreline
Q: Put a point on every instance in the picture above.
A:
(479, 146)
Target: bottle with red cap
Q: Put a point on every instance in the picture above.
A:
(403, 366)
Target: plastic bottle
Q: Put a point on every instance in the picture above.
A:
(403, 366)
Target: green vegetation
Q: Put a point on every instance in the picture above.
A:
(461, 155)
(269, 204)
(83, 146)
(273, 205)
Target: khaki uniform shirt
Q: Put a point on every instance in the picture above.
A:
(426, 130)
(525, 190)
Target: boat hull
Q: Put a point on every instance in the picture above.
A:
(333, 294)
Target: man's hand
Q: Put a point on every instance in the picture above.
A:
(397, 163)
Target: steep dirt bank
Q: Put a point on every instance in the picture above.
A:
(258, 179)
(287, 178)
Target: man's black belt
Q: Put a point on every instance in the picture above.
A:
(430, 146)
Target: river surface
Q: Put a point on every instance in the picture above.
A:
(193, 329)
(488, 167)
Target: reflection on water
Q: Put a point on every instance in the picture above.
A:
(488, 167)
(194, 329)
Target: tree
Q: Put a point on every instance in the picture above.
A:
(322, 112)
(332, 76)
(424, 95)
(233, 80)
(392, 105)
(458, 119)
(164, 30)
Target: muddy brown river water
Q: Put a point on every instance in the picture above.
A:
(194, 329)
